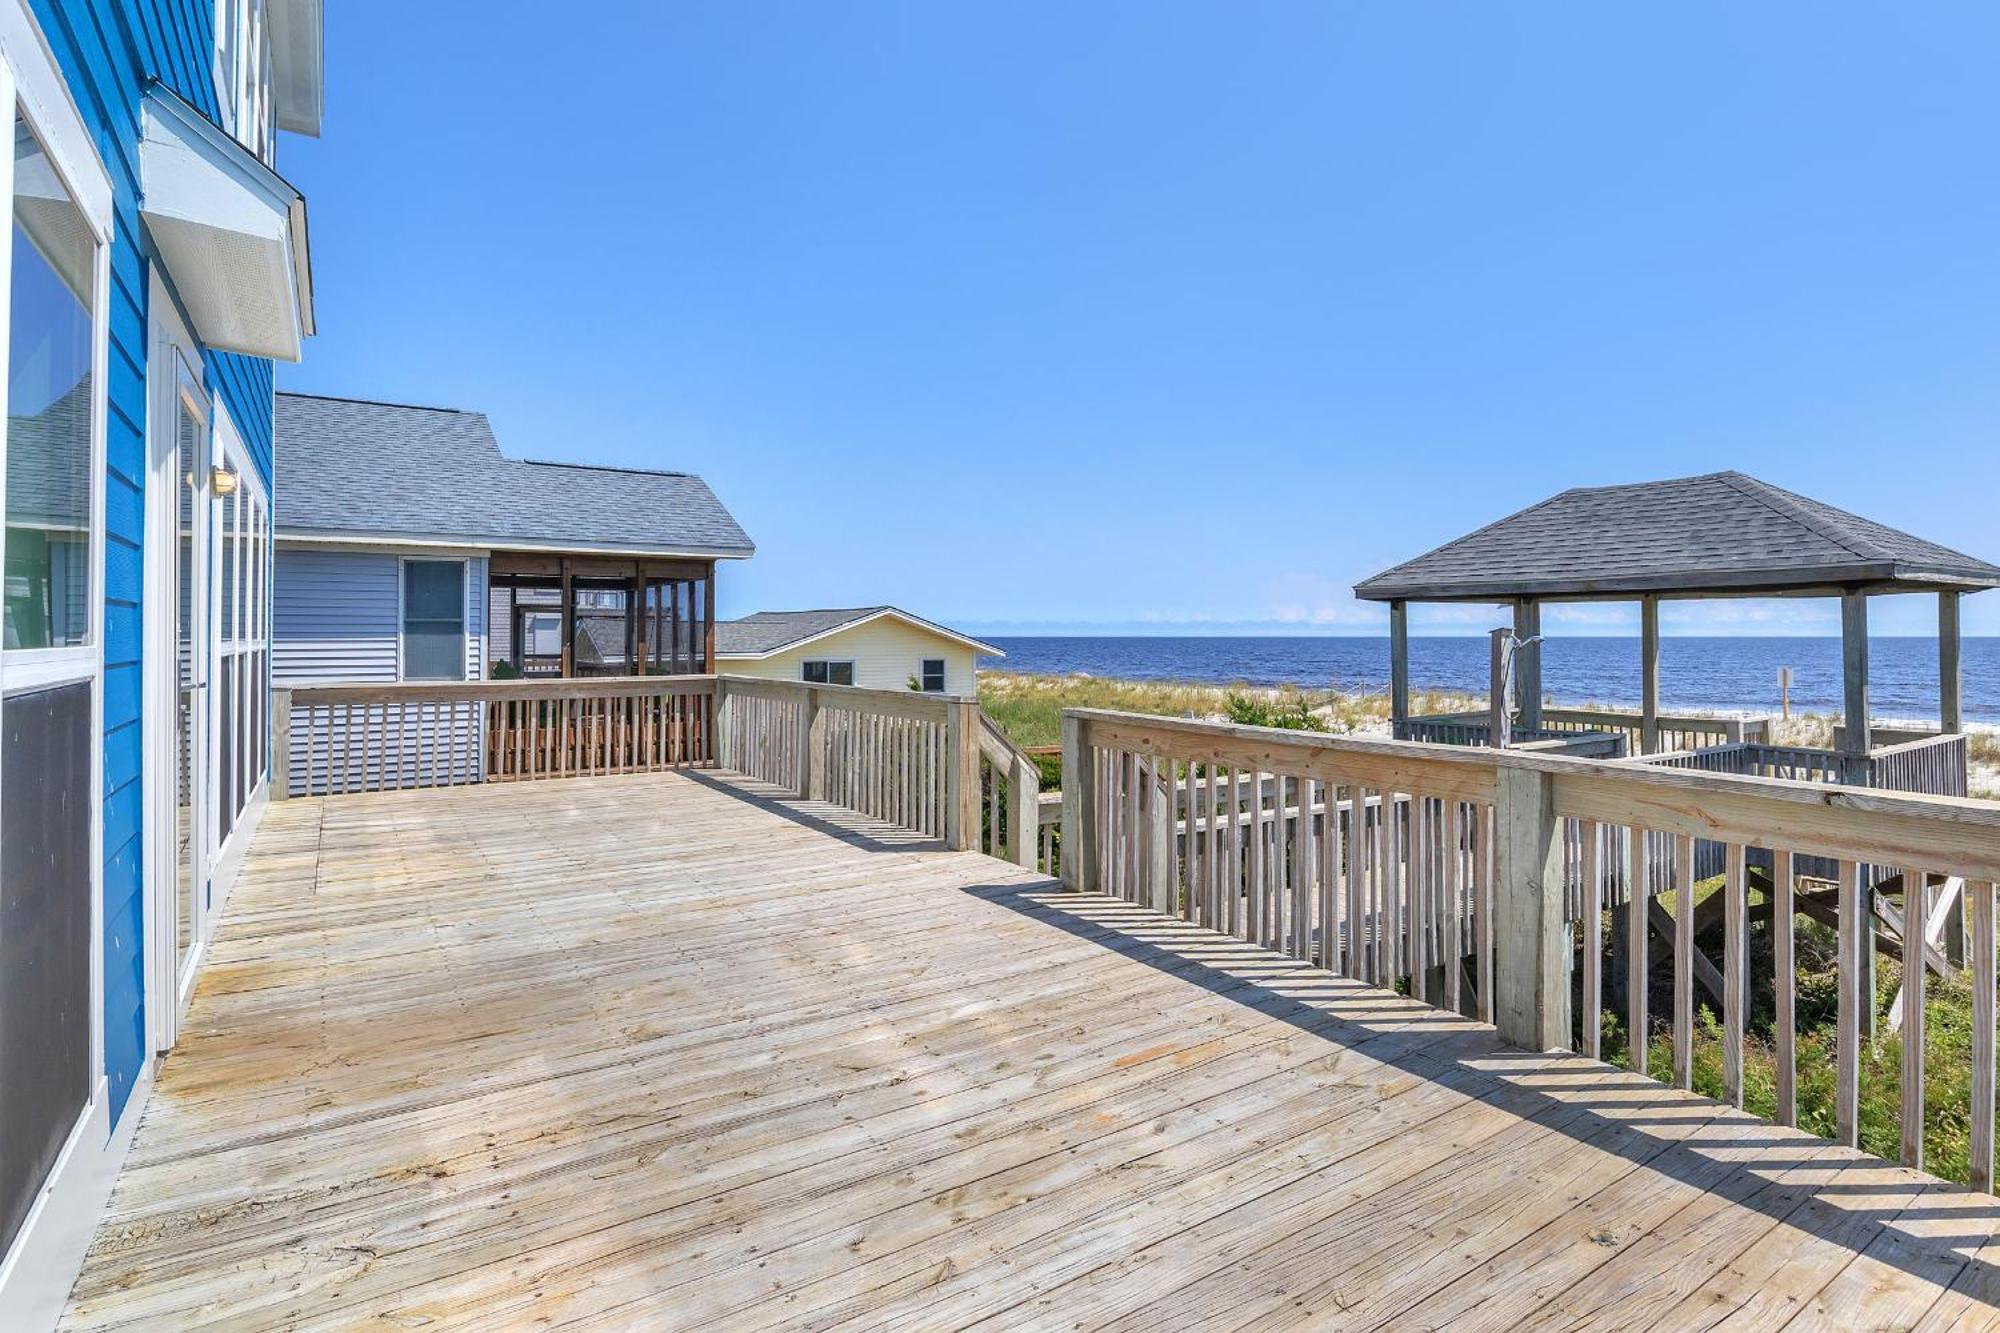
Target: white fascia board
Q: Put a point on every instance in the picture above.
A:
(317, 537)
(298, 64)
(914, 622)
(229, 231)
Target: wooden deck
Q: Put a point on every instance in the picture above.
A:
(662, 1051)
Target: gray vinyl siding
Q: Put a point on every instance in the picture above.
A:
(335, 617)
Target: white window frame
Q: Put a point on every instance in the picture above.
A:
(829, 663)
(464, 563)
(35, 1272)
(234, 637)
(944, 675)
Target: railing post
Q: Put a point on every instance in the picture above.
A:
(1024, 789)
(1079, 807)
(1531, 944)
(811, 781)
(961, 775)
(720, 743)
(281, 742)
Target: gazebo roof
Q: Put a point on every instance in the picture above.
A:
(1724, 534)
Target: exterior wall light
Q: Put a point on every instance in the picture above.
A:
(222, 481)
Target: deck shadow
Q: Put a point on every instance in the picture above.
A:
(1926, 1229)
(856, 830)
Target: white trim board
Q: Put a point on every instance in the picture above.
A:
(915, 622)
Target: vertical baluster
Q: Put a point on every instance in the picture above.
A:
(1482, 907)
(1304, 860)
(1785, 987)
(1593, 938)
(1329, 876)
(1847, 1060)
(1191, 866)
(1454, 892)
(1635, 948)
(1735, 969)
(1254, 929)
(1683, 885)
(1983, 981)
(1357, 854)
(1914, 881)
(1393, 885)
(1144, 890)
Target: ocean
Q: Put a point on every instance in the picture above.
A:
(1730, 674)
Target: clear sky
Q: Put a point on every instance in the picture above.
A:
(1168, 316)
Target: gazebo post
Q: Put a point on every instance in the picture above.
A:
(1951, 711)
(1528, 663)
(1499, 730)
(1649, 675)
(1399, 670)
(1854, 738)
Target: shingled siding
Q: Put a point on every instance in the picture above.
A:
(335, 614)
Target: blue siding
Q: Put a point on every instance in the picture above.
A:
(108, 51)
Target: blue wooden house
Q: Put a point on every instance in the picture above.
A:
(156, 268)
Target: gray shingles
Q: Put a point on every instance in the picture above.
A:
(356, 469)
(1724, 532)
(768, 631)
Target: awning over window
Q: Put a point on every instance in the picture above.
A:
(230, 231)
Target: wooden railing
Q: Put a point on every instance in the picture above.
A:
(1482, 879)
(1933, 765)
(331, 739)
(1677, 731)
(907, 758)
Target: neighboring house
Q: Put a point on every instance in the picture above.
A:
(410, 548)
(156, 266)
(878, 646)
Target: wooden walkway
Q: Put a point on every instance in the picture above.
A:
(662, 1052)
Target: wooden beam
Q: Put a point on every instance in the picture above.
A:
(1531, 937)
(1854, 738)
(708, 620)
(1399, 670)
(568, 620)
(1499, 728)
(1951, 681)
(1528, 662)
(1649, 675)
(635, 626)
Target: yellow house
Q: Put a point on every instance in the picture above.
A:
(877, 646)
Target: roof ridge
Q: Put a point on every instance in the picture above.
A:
(1783, 502)
(377, 402)
(603, 467)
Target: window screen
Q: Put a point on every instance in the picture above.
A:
(933, 675)
(433, 620)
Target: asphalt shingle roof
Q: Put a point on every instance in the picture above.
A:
(1724, 532)
(768, 631)
(355, 469)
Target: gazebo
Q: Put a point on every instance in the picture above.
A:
(1720, 535)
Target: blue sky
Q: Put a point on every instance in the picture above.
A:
(1178, 317)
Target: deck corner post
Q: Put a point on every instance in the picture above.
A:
(281, 742)
(1649, 675)
(722, 755)
(1024, 791)
(1531, 942)
(1528, 662)
(1079, 807)
(811, 776)
(961, 775)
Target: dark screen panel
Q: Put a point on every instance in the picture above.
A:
(44, 936)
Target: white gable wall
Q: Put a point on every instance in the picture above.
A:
(885, 651)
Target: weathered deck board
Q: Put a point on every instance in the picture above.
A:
(663, 1051)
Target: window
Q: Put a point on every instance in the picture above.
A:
(819, 671)
(243, 75)
(50, 403)
(931, 675)
(433, 620)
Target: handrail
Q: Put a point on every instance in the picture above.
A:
(1462, 873)
(350, 736)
